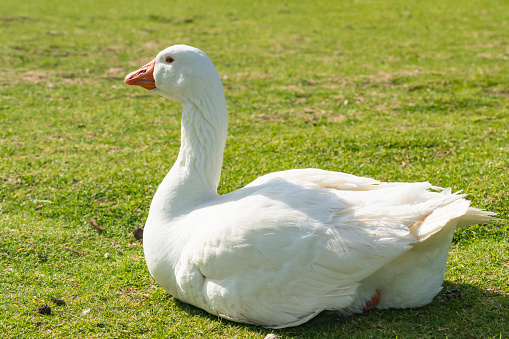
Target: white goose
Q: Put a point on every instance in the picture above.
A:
(290, 244)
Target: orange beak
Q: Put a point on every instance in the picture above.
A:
(143, 77)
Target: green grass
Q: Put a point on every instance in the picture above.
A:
(394, 90)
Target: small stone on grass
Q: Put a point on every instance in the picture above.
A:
(58, 301)
(138, 233)
(44, 309)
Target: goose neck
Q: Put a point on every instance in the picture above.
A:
(203, 137)
(194, 177)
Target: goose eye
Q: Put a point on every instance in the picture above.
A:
(169, 60)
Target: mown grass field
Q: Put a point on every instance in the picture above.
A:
(393, 90)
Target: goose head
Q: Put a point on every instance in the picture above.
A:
(179, 73)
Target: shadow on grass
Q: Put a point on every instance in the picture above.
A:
(460, 310)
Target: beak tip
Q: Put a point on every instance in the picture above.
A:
(128, 79)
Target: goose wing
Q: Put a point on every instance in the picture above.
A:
(286, 247)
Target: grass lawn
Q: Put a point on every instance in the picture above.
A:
(394, 90)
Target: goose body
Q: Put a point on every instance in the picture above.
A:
(293, 243)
